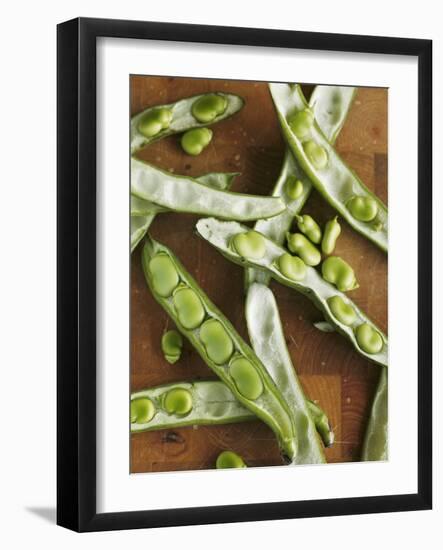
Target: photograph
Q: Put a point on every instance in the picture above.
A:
(259, 274)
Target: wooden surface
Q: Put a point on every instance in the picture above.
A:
(331, 372)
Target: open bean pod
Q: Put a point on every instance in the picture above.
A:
(143, 212)
(306, 281)
(217, 341)
(184, 194)
(161, 121)
(268, 341)
(332, 178)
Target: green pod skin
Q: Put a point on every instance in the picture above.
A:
(375, 445)
(330, 236)
(142, 218)
(213, 404)
(148, 126)
(338, 272)
(187, 195)
(324, 101)
(229, 459)
(322, 424)
(270, 406)
(313, 286)
(172, 344)
(309, 227)
(194, 141)
(332, 178)
(299, 244)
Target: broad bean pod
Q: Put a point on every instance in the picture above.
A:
(219, 234)
(268, 341)
(175, 118)
(332, 178)
(142, 216)
(324, 100)
(217, 342)
(186, 194)
(375, 445)
(213, 403)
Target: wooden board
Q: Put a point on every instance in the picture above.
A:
(332, 373)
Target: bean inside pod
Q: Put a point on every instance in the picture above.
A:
(369, 339)
(362, 208)
(218, 344)
(142, 410)
(155, 121)
(342, 311)
(208, 107)
(246, 378)
(178, 401)
(164, 274)
(249, 245)
(189, 308)
(292, 267)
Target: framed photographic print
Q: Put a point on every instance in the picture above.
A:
(228, 274)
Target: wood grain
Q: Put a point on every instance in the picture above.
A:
(332, 373)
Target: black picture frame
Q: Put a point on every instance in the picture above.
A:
(76, 273)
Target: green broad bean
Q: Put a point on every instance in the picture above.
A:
(164, 275)
(369, 339)
(217, 342)
(362, 208)
(300, 245)
(338, 272)
(249, 245)
(188, 195)
(293, 188)
(154, 121)
(317, 154)
(330, 236)
(342, 311)
(329, 175)
(301, 123)
(208, 107)
(313, 286)
(309, 227)
(142, 410)
(178, 401)
(172, 344)
(246, 378)
(292, 267)
(189, 308)
(194, 141)
(229, 459)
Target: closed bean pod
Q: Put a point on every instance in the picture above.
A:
(194, 141)
(172, 344)
(338, 272)
(184, 194)
(300, 245)
(213, 341)
(229, 459)
(160, 121)
(330, 236)
(309, 227)
(313, 286)
(332, 178)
